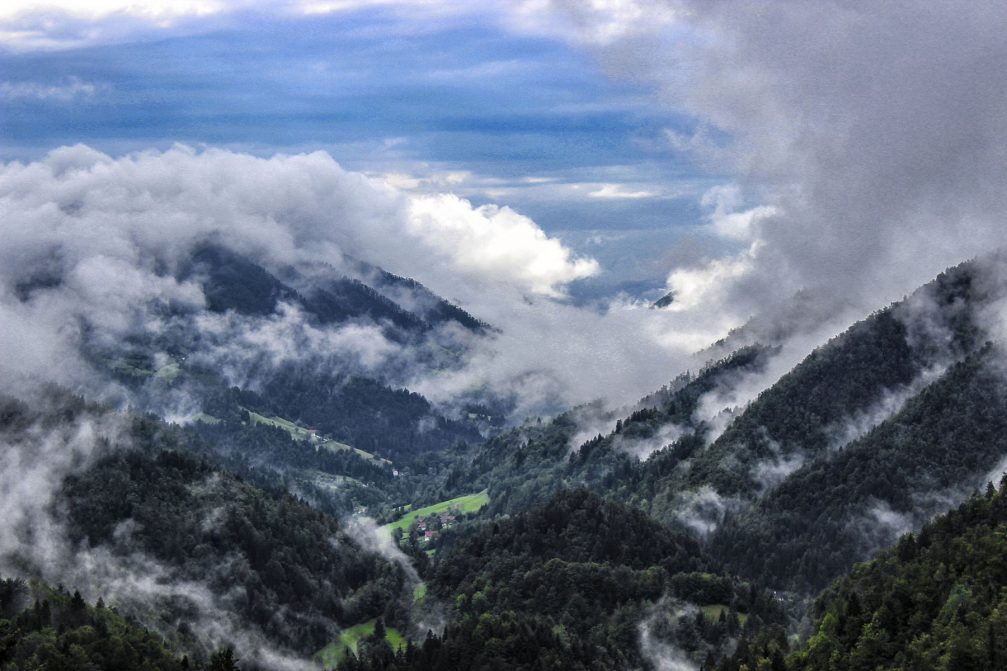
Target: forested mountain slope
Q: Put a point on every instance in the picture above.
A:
(833, 512)
(231, 281)
(803, 414)
(309, 348)
(46, 628)
(698, 523)
(887, 424)
(192, 552)
(627, 459)
(937, 600)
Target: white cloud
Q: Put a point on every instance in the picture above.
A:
(619, 191)
(243, 349)
(642, 448)
(115, 229)
(726, 219)
(71, 89)
(710, 284)
(60, 24)
(27, 25)
(495, 242)
(703, 509)
(98, 9)
(875, 129)
(594, 22)
(286, 208)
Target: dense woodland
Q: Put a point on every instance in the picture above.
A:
(45, 628)
(205, 525)
(937, 600)
(566, 584)
(664, 530)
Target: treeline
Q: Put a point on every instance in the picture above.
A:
(48, 629)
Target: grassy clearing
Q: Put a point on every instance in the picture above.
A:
(419, 592)
(712, 613)
(331, 654)
(300, 433)
(465, 504)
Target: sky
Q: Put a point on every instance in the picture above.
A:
(473, 102)
(551, 165)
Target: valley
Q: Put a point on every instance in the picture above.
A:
(731, 535)
(537, 335)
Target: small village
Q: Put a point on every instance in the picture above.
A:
(429, 526)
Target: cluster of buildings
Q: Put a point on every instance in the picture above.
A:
(430, 525)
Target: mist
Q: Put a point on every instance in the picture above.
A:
(95, 245)
(38, 451)
(863, 141)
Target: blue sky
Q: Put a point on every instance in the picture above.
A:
(463, 105)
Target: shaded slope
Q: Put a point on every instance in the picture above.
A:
(296, 572)
(935, 601)
(841, 509)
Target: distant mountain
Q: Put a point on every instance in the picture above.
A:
(804, 313)
(231, 281)
(664, 301)
(271, 343)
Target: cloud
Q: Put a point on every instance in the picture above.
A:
(378, 540)
(100, 213)
(96, 9)
(595, 22)
(874, 132)
(72, 88)
(93, 246)
(658, 630)
(244, 349)
(642, 448)
(28, 25)
(494, 242)
(891, 401)
(726, 219)
(591, 420)
(718, 407)
(618, 191)
(770, 472)
(703, 509)
(711, 283)
(892, 522)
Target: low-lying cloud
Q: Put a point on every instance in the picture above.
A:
(37, 453)
(94, 246)
(868, 137)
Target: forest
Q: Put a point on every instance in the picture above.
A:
(830, 521)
